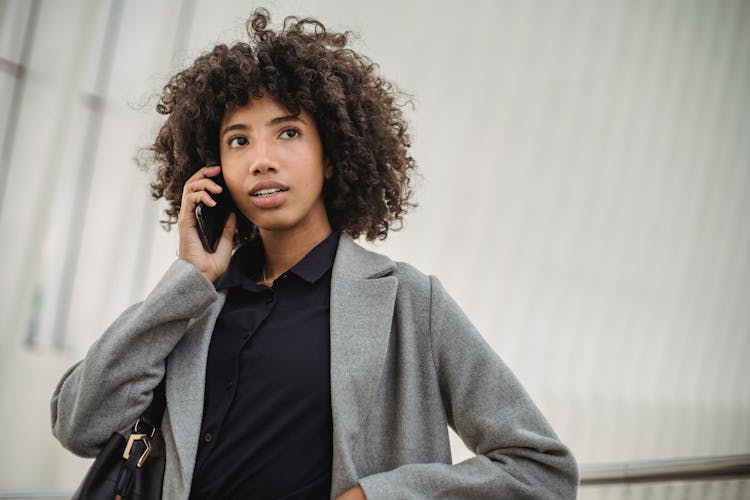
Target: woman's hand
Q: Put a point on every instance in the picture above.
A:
(197, 189)
(356, 493)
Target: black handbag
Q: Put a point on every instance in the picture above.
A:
(131, 468)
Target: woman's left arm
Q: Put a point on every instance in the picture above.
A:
(517, 453)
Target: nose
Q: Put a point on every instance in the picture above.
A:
(264, 160)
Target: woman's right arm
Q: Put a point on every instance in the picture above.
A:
(109, 389)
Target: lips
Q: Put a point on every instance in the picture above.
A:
(268, 194)
(267, 188)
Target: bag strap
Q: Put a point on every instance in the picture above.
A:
(153, 414)
(138, 446)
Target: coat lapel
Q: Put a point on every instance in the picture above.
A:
(186, 377)
(362, 300)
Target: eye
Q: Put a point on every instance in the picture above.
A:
(238, 141)
(289, 133)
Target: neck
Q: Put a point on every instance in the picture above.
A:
(284, 249)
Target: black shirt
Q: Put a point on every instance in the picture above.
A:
(267, 423)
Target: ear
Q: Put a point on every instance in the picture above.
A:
(328, 173)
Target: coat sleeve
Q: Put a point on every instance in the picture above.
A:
(517, 453)
(109, 389)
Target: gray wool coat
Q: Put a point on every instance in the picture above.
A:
(405, 364)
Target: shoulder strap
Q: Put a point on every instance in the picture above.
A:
(153, 414)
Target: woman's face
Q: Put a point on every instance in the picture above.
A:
(274, 167)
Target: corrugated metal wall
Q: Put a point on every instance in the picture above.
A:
(585, 195)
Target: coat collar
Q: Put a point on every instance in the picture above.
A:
(353, 261)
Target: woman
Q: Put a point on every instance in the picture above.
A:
(301, 365)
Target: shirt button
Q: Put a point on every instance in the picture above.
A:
(229, 383)
(207, 437)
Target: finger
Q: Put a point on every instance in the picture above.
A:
(204, 184)
(202, 196)
(203, 172)
(190, 201)
(227, 235)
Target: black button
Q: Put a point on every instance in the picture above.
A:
(207, 437)
(229, 383)
(269, 297)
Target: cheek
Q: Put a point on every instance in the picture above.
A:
(233, 182)
(231, 167)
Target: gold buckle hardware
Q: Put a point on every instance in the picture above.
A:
(134, 438)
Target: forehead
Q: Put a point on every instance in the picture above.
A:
(258, 109)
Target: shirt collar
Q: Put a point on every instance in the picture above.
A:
(246, 264)
(319, 260)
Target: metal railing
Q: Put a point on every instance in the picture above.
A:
(651, 471)
(31, 494)
(659, 471)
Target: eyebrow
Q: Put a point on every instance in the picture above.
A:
(271, 122)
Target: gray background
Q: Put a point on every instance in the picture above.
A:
(584, 195)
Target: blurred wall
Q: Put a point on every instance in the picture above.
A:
(584, 195)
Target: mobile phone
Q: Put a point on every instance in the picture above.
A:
(211, 220)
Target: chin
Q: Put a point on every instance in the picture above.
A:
(274, 224)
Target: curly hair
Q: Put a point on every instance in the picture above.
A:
(306, 67)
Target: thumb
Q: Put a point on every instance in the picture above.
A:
(225, 243)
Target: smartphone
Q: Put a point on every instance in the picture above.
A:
(211, 220)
